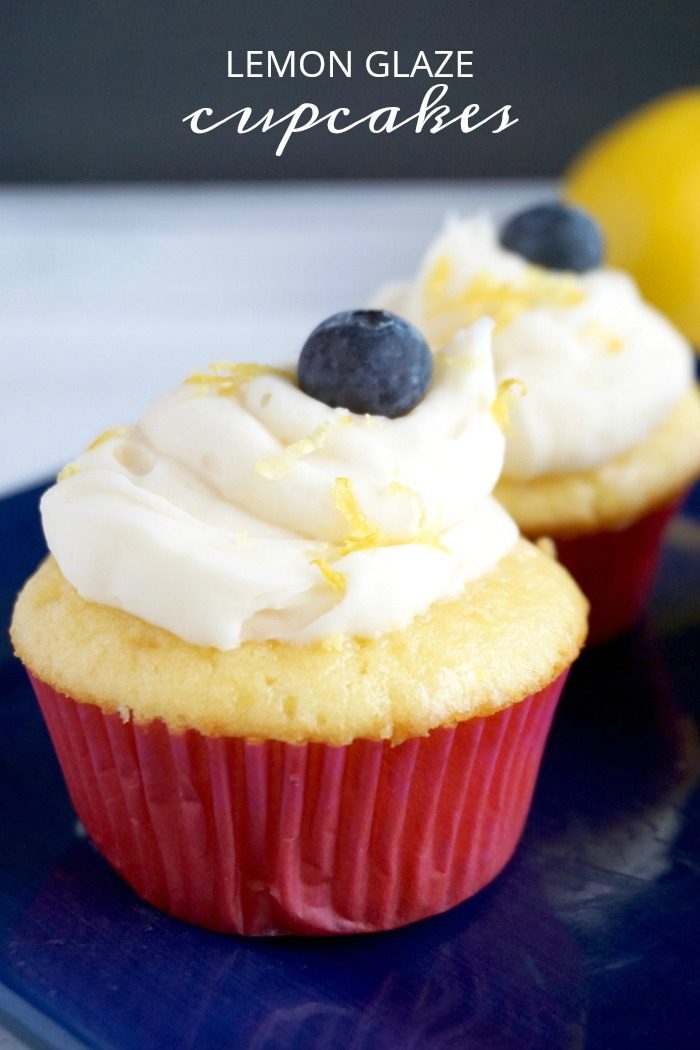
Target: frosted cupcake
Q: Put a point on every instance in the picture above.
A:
(296, 662)
(604, 429)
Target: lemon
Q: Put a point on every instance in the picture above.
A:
(641, 181)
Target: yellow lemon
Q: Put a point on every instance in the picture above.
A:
(641, 180)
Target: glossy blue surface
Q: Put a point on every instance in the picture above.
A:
(588, 939)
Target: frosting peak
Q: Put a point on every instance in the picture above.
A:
(602, 368)
(239, 508)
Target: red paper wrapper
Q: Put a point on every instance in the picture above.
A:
(616, 570)
(274, 838)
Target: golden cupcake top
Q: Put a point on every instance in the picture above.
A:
(508, 634)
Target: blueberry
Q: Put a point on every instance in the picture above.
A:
(555, 236)
(366, 361)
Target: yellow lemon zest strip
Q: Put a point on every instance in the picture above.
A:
(400, 489)
(444, 360)
(106, 436)
(276, 467)
(429, 538)
(68, 471)
(437, 283)
(364, 535)
(508, 390)
(600, 334)
(487, 296)
(335, 578)
(227, 377)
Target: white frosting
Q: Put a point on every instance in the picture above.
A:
(191, 521)
(600, 373)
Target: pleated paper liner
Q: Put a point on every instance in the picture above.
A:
(616, 570)
(273, 838)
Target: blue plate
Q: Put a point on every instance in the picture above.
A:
(591, 937)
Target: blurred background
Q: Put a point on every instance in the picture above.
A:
(96, 89)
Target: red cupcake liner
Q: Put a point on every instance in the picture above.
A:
(273, 838)
(616, 570)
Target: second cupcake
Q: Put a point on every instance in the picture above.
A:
(604, 415)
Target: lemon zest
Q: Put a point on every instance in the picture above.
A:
(437, 283)
(69, 471)
(106, 436)
(364, 534)
(225, 378)
(487, 296)
(335, 578)
(429, 538)
(276, 467)
(600, 334)
(400, 489)
(508, 391)
(450, 360)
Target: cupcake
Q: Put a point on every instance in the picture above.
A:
(604, 428)
(297, 663)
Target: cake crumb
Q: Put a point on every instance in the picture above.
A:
(547, 546)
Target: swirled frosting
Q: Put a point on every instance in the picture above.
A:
(601, 367)
(239, 508)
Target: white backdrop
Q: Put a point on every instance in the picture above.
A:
(110, 295)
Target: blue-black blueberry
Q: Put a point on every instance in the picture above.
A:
(368, 361)
(555, 236)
